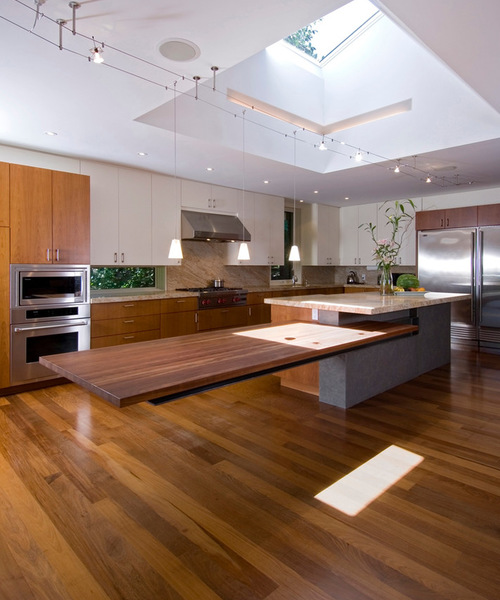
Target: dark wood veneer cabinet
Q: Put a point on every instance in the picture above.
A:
(442, 219)
(488, 214)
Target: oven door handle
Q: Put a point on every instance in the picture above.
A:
(36, 327)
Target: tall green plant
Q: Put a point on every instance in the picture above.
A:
(399, 217)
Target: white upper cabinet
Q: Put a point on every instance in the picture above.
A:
(166, 222)
(407, 254)
(319, 235)
(209, 198)
(263, 216)
(356, 245)
(120, 215)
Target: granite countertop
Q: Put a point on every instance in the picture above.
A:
(162, 295)
(366, 303)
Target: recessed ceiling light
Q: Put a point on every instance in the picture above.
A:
(210, 169)
(346, 198)
(316, 192)
(179, 50)
(50, 133)
(266, 181)
(142, 153)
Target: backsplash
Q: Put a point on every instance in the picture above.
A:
(204, 261)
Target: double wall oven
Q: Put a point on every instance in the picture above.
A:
(49, 314)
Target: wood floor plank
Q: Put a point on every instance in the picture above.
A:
(211, 497)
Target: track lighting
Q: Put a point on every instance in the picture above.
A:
(322, 146)
(96, 55)
(428, 180)
(358, 156)
(396, 169)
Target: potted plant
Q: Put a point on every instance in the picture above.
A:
(399, 217)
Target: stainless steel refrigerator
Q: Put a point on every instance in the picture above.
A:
(465, 261)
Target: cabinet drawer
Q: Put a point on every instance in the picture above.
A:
(128, 338)
(125, 325)
(172, 305)
(179, 323)
(219, 318)
(114, 310)
(257, 297)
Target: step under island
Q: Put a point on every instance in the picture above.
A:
(360, 373)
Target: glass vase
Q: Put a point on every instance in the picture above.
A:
(386, 286)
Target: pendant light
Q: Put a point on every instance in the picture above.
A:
(175, 251)
(294, 250)
(243, 253)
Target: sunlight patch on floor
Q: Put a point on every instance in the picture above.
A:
(358, 489)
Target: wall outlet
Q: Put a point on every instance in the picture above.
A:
(314, 315)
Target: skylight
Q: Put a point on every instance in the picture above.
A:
(319, 40)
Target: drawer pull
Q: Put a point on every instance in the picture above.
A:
(180, 301)
(128, 305)
(128, 337)
(129, 321)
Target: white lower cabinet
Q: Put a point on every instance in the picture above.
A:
(356, 245)
(319, 235)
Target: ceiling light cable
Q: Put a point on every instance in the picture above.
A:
(61, 23)
(175, 251)
(294, 250)
(243, 253)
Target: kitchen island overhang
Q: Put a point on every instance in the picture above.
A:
(348, 379)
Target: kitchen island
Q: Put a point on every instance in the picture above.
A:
(351, 377)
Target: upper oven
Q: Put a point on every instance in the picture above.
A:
(42, 285)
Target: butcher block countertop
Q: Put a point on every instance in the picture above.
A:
(169, 368)
(367, 303)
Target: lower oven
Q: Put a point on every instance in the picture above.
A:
(41, 331)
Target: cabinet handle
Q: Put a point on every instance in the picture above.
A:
(123, 257)
(447, 222)
(128, 321)
(128, 337)
(442, 223)
(128, 305)
(180, 301)
(116, 256)
(48, 254)
(249, 311)
(57, 254)
(196, 317)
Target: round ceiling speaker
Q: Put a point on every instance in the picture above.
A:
(179, 50)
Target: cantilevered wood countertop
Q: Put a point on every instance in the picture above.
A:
(173, 367)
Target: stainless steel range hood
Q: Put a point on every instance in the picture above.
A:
(210, 227)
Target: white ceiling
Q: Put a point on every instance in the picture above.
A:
(440, 59)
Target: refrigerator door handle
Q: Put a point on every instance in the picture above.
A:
(478, 275)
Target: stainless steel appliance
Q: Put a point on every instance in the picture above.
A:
(465, 261)
(49, 314)
(218, 297)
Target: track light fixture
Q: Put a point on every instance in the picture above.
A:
(96, 54)
(323, 146)
(359, 156)
(428, 180)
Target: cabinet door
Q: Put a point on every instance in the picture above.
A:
(488, 214)
(196, 195)
(348, 235)
(70, 218)
(179, 323)
(224, 199)
(30, 214)
(4, 308)
(429, 219)
(4, 195)
(103, 212)
(134, 218)
(275, 229)
(461, 217)
(166, 222)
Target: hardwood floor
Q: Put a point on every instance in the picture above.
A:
(212, 496)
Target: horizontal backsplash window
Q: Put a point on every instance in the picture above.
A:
(126, 278)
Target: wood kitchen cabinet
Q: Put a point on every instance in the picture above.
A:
(179, 316)
(220, 318)
(49, 216)
(4, 194)
(488, 214)
(116, 323)
(4, 309)
(466, 216)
